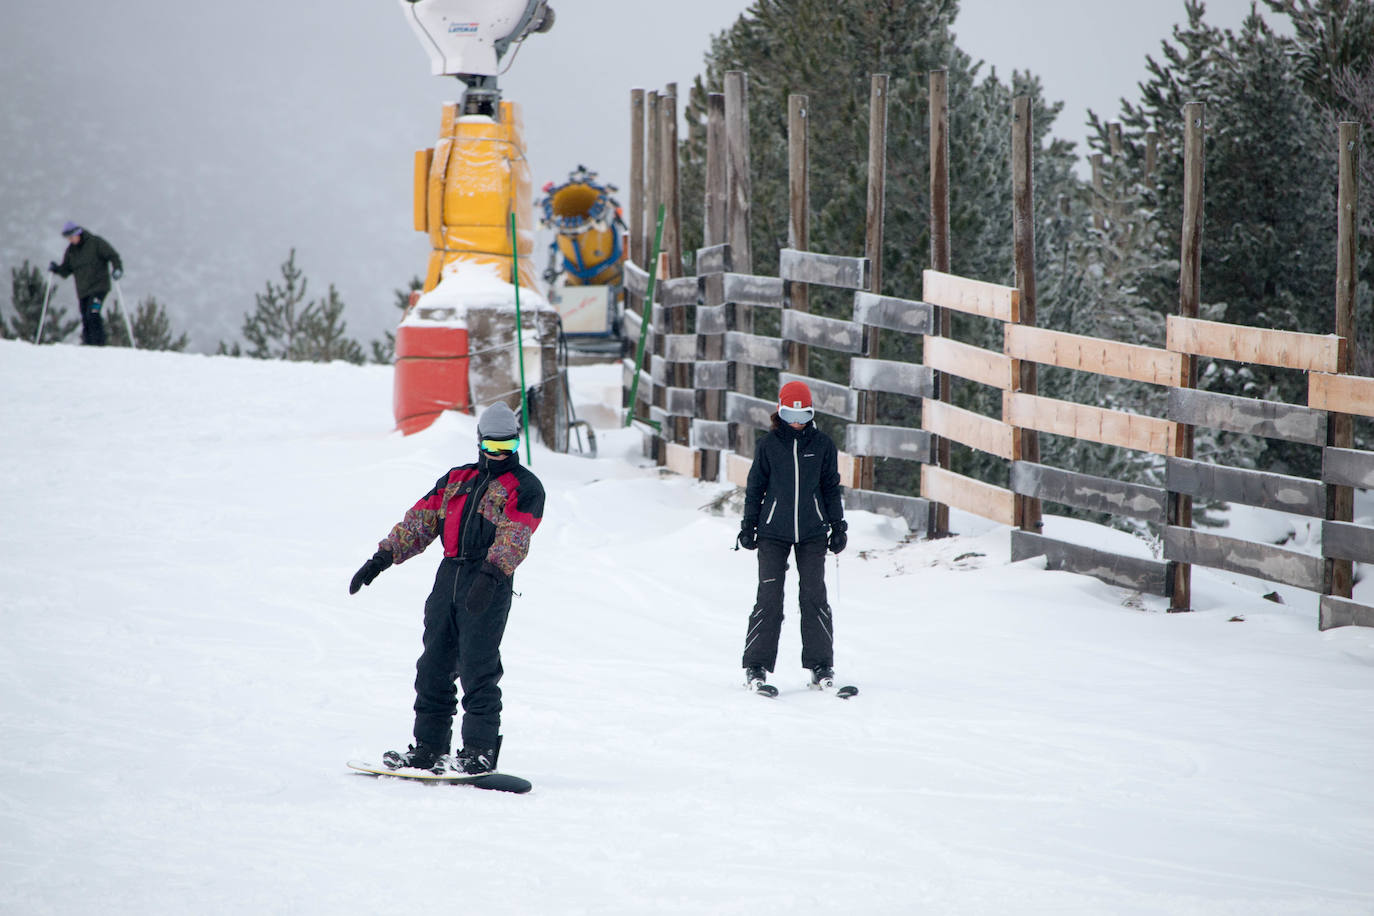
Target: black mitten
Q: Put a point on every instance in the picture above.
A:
(370, 570)
(838, 538)
(748, 535)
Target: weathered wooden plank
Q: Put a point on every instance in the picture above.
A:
(1347, 541)
(893, 314)
(636, 280)
(1143, 575)
(827, 397)
(755, 350)
(1263, 561)
(1348, 467)
(972, 429)
(1341, 612)
(1267, 347)
(1341, 393)
(713, 435)
(847, 466)
(680, 348)
(681, 459)
(680, 291)
(818, 331)
(745, 289)
(824, 269)
(660, 416)
(711, 376)
(973, 297)
(658, 318)
(888, 442)
(680, 402)
(981, 499)
(1085, 491)
(737, 469)
(658, 369)
(888, 375)
(644, 394)
(1082, 421)
(632, 323)
(913, 510)
(1251, 488)
(712, 319)
(973, 363)
(1247, 415)
(749, 411)
(713, 260)
(1088, 354)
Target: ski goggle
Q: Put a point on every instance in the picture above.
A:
(496, 446)
(796, 414)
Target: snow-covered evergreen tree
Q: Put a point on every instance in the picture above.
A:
(27, 291)
(152, 328)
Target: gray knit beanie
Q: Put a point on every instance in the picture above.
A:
(497, 422)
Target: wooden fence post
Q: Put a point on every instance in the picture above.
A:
(1189, 296)
(798, 214)
(637, 251)
(739, 191)
(680, 374)
(940, 256)
(1025, 442)
(1099, 195)
(1340, 431)
(653, 197)
(873, 245)
(713, 233)
(651, 166)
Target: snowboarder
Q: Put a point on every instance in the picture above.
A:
(792, 504)
(93, 261)
(484, 513)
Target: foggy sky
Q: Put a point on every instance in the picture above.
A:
(207, 140)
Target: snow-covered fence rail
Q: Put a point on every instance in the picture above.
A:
(722, 409)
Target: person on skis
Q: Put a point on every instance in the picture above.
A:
(93, 261)
(484, 513)
(792, 505)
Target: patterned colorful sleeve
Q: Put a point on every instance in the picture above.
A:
(515, 505)
(421, 524)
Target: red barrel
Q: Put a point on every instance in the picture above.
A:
(431, 375)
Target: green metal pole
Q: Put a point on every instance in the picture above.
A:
(520, 339)
(648, 312)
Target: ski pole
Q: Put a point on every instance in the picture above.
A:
(42, 316)
(124, 310)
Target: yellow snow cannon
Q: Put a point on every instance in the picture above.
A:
(587, 257)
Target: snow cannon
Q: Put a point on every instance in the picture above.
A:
(587, 256)
(466, 188)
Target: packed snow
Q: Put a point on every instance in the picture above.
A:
(183, 676)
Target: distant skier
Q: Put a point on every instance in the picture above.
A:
(792, 504)
(484, 513)
(93, 261)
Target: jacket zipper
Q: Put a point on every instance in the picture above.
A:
(468, 511)
(796, 493)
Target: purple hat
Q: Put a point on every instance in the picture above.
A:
(70, 228)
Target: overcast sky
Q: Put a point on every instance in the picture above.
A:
(206, 140)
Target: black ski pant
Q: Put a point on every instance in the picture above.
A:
(462, 644)
(765, 622)
(92, 325)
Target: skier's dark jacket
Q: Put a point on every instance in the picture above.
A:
(485, 511)
(90, 261)
(793, 492)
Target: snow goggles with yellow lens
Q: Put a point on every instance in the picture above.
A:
(496, 446)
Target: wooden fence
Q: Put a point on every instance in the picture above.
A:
(697, 390)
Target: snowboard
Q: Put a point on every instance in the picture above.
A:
(499, 782)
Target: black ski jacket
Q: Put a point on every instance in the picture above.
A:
(90, 261)
(793, 492)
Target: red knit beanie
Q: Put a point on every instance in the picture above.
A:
(794, 394)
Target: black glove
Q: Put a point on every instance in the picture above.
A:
(370, 570)
(838, 538)
(748, 535)
(482, 588)
(52, 267)
(117, 273)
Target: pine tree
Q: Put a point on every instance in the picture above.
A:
(27, 292)
(275, 329)
(152, 328)
(321, 333)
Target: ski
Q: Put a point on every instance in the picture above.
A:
(828, 685)
(499, 782)
(762, 688)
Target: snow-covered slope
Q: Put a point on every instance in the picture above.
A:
(183, 675)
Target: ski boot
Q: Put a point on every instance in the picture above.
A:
(756, 680)
(417, 757)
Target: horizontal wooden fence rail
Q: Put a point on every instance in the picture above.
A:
(1284, 349)
(1089, 354)
(1138, 573)
(972, 297)
(1351, 394)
